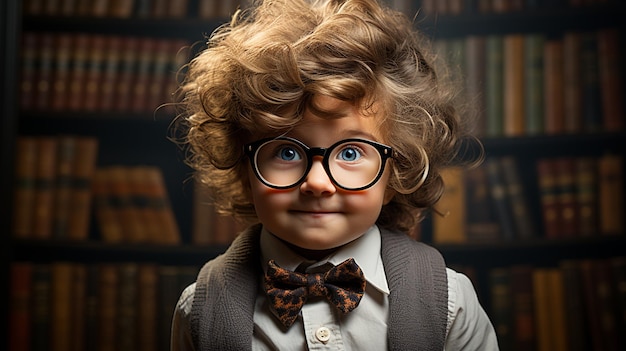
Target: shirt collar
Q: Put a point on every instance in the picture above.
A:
(365, 250)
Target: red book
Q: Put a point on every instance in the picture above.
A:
(611, 84)
(25, 186)
(29, 54)
(554, 114)
(45, 60)
(20, 306)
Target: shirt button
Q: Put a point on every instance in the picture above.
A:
(322, 334)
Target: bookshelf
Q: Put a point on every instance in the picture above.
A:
(132, 137)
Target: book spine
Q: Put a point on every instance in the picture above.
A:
(450, 226)
(533, 85)
(20, 306)
(495, 85)
(554, 87)
(514, 113)
(25, 186)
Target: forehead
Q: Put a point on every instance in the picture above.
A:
(329, 120)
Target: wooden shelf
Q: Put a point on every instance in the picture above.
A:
(93, 252)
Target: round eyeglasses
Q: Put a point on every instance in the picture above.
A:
(351, 164)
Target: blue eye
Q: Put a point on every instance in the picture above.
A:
(288, 153)
(349, 154)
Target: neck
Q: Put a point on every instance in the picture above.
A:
(310, 254)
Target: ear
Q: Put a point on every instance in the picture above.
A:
(389, 194)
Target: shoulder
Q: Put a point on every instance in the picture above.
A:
(468, 324)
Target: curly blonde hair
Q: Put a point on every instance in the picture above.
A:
(259, 73)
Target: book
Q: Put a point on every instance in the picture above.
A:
(24, 190)
(534, 83)
(44, 187)
(41, 309)
(611, 79)
(587, 195)
(110, 227)
(494, 87)
(81, 197)
(522, 308)
(127, 301)
(481, 221)
(501, 306)
(63, 186)
(78, 316)
(565, 168)
(611, 194)
(592, 96)
(28, 69)
(159, 201)
(599, 304)
(516, 196)
(513, 69)
(449, 227)
(147, 302)
(498, 193)
(549, 309)
(576, 322)
(126, 77)
(61, 71)
(548, 190)
(143, 75)
(475, 79)
(110, 72)
(107, 307)
(78, 74)
(554, 87)
(61, 306)
(94, 72)
(43, 79)
(20, 306)
(572, 81)
(125, 210)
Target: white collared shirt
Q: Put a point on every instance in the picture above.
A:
(320, 326)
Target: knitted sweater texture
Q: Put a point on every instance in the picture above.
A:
(226, 289)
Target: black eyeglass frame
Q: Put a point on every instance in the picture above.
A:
(252, 148)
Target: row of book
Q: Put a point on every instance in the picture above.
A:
(458, 7)
(576, 305)
(52, 191)
(153, 9)
(86, 72)
(132, 206)
(572, 197)
(528, 84)
(65, 306)
(58, 189)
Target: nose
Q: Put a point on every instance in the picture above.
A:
(317, 181)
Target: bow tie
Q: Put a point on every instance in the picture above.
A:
(343, 285)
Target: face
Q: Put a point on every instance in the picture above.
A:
(316, 214)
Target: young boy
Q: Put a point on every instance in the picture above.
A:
(325, 123)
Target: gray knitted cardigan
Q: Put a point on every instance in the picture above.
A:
(226, 290)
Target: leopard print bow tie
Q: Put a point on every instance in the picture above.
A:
(343, 285)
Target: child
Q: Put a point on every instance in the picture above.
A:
(325, 123)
